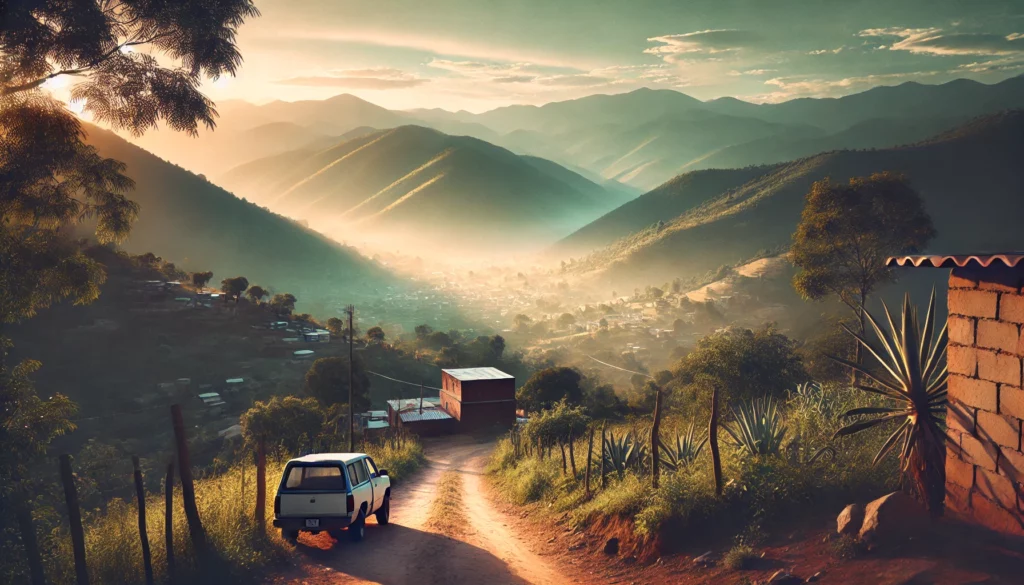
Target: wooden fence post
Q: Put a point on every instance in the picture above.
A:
(67, 477)
(572, 456)
(590, 452)
(169, 517)
(23, 514)
(188, 490)
(604, 476)
(656, 441)
(540, 449)
(561, 447)
(261, 486)
(140, 495)
(716, 460)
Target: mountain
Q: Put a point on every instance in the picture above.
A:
(662, 204)
(411, 180)
(970, 178)
(200, 226)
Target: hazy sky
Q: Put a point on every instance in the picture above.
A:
(481, 54)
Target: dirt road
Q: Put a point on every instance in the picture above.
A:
(406, 552)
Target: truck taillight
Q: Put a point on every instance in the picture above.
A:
(350, 503)
(277, 505)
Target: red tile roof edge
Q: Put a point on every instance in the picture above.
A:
(957, 260)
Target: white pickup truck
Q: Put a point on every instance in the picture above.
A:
(331, 491)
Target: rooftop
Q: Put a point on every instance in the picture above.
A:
(407, 403)
(321, 457)
(431, 413)
(468, 374)
(958, 260)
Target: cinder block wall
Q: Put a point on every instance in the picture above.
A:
(985, 477)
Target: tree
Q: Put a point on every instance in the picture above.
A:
(283, 304)
(375, 335)
(289, 423)
(256, 293)
(521, 322)
(846, 232)
(422, 331)
(437, 340)
(565, 320)
(743, 364)
(327, 381)
(549, 386)
(336, 326)
(234, 287)
(200, 279)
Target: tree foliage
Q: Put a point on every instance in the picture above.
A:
(327, 381)
(289, 422)
(201, 279)
(556, 423)
(742, 363)
(549, 386)
(256, 293)
(283, 304)
(234, 287)
(375, 335)
(846, 232)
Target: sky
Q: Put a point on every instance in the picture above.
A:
(481, 54)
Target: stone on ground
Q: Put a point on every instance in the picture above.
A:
(892, 518)
(850, 520)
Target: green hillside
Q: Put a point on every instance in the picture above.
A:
(419, 179)
(199, 226)
(971, 180)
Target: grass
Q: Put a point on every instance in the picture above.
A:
(226, 503)
(446, 514)
(740, 557)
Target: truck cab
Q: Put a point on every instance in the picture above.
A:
(335, 492)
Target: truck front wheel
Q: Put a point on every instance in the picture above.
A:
(384, 513)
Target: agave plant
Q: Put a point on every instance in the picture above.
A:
(623, 452)
(684, 451)
(913, 379)
(757, 428)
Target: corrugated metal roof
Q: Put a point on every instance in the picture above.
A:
(468, 374)
(957, 260)
(407, 403)
(427, 414)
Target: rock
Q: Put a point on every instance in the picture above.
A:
(892, 518)
(782, 577)
(850, 519)
(612, 546)
(814, 578)
(704, 559)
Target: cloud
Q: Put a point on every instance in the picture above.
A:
(372, 78)
(794, 87)
(933, 41)
(735, 73)
(581, 80)
(834, 51)
(701, 43)
(514, 79)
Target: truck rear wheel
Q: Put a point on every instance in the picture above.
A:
(290, 535)
(357, 529)
(384, 513)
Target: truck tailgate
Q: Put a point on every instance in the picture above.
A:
(312, 504)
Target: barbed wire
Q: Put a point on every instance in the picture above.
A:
(618, 368)
(403, 381)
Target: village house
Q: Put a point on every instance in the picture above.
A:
(479, 398)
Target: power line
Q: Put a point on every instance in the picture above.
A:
(122, 413)
(618, 368)
(402, 381)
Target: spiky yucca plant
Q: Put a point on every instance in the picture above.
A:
(757, 428)
(684, 451)
(624, 452)
(912, 376)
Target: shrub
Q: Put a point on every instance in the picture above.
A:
(739, 557)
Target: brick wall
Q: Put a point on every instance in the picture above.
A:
(985, 476)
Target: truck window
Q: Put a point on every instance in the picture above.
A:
(372, 467)
(315, 477)
(357, 471)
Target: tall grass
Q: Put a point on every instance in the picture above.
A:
(226, 502)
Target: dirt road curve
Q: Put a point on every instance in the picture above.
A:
(406, 552)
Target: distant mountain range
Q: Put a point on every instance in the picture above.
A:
(452, 191)
(971, 179)
(641, 138)
(199, 226)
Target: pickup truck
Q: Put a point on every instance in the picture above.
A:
(332, 492)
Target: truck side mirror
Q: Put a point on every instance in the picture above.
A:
(382, 473)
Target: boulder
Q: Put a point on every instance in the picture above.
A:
(850, 520)
(892, 518)
(782, 577)
(612, 546)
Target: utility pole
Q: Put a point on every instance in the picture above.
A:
(421, 398)
(351, 368)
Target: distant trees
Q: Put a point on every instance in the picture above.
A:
(521, 322)
(846, 232)
(256, 293)
(742, 364)
(548, 386)
(375, 335)
(289, 423)
(422, 331)
(201, 279)
(336, 326)
(566, 320)
(234, 287)
(283, 304)
(327, 381)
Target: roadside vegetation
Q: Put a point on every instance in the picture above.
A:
(446, 513)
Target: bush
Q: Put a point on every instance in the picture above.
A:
(530, 481)
(739, 557)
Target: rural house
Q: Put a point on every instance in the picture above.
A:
(479, 397)
(985, 475)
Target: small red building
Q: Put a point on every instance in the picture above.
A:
(423, 417)
(479, 398)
